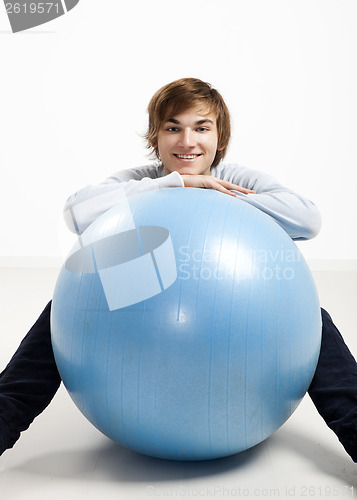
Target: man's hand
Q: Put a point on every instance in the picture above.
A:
(210, 182)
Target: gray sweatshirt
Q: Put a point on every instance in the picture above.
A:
(297, 215)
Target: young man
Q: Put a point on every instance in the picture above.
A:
(189, 131)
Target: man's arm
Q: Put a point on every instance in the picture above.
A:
(86, 205)
(297, 215)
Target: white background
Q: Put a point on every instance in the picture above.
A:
(74, 94)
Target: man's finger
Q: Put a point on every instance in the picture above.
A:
(222, 189)
(230, 185)
(244, 190)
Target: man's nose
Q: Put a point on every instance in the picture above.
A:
(187, 138)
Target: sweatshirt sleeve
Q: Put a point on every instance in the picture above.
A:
(297, 215)
(86, 205)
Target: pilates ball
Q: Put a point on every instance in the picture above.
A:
(187, 326)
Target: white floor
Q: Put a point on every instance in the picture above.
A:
(62, 456)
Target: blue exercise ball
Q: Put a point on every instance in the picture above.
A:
(186, 324)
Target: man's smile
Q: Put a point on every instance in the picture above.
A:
(187, 157)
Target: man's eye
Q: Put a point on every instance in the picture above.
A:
(172, 129)
(202, 129)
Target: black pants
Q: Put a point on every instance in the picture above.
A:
(28, 383)
(333, 389)
(31, 379)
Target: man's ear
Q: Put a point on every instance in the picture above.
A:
(221, 148)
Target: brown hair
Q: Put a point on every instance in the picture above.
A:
(181, 95)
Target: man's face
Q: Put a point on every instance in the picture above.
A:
(187, 142)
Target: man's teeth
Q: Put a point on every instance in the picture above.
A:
(187, 157)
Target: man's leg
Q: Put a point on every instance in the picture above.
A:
(334, 386)
(28, 383)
